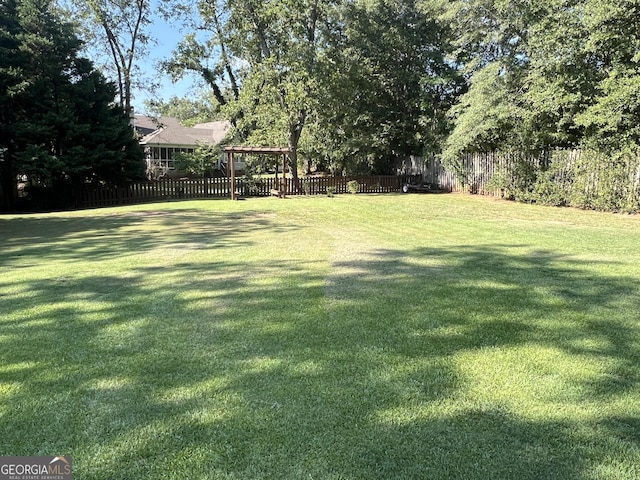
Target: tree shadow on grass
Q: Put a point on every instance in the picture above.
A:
(122, 234)
(278, 370)
(488, 299)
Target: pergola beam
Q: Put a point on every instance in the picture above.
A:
(258, 150)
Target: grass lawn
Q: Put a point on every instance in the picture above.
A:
(355, 337)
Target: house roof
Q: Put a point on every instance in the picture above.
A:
(219, 129)
(145, 124)
(169, 131)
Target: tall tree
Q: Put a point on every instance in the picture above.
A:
(613, 119)
(386, 85)
(491, 39)
(364, 79)
(118, 29)
(207, 38)
(189, 111)
(545, 74)
(59, 120)
(12, 82)
(561, 80)
(267, 55)
(529, 73)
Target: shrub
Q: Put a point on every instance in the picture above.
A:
(606, 182)
(515, 179)
(554, 185)
(353, 186)
(252, 184)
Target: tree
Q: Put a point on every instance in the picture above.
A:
(59, 123)
(491, 40)
(119, 27)
(386, 85)
(267, 56)
(11, 83)
(546, 74)
(195, 54)
(340, 80)
(562, 77)
(189, 112)
(613, 119)
(200, 162)
(488, 116)
(530, 77)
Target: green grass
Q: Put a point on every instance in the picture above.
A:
(355, 337)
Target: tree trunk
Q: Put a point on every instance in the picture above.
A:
(8, 186)
(295, 132)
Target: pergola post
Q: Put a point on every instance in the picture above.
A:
(231, 163)
(283, 180)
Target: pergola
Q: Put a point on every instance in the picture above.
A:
(275, 151)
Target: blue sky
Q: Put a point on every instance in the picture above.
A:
(167, 37)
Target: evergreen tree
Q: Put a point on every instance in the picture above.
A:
(11, 83)
(60, 126)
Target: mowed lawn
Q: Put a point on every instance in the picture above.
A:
(355, 337)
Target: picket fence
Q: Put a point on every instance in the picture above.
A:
(473, 173)
(201, 188)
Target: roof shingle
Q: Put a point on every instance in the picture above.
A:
(169, 131)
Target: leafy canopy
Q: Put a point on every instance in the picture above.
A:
(58, 120)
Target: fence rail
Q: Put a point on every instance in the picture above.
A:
(202, 188)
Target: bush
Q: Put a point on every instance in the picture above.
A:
(353, 186)
(252, 184)
(607, 182)
(554, 185)
(516, 179)
(591, 180)
(588, 179)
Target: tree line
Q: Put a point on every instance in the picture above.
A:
(353, 85)
(547, 74)
(357, 83)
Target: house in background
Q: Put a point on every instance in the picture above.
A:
(161, 138)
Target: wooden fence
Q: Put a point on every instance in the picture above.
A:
(579, 179)
(478, 170)
(473, 172)
(202, 188)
